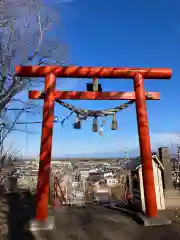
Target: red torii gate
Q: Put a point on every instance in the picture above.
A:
(50, 95)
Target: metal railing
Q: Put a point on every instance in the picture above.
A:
(58, 195)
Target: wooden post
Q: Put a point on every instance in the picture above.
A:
(165, 158)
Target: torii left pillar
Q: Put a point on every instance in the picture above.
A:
(46, 148)
(42, 197)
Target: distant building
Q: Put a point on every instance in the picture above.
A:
(84, 173)
(111, 179)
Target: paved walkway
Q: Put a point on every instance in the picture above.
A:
(97, 222)
(92, 222)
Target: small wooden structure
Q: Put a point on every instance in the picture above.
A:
(137, 183)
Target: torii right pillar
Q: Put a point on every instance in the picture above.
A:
(145, 147)
(146, 157)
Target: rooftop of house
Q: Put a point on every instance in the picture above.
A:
(136, 163)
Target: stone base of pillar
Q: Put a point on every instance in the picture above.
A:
(36, 225)
(142, 219)
(42, 229)
(151, 221)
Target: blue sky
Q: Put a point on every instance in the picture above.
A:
(119, 33)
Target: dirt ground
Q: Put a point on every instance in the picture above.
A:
(174, 216)
(16, 210)
(81, 223)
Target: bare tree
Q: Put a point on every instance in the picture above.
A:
(10, 121)
(25, 39)
(9, 157)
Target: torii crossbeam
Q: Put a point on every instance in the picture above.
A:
(50, 95)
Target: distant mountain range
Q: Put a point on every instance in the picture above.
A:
(132, 154)
(100, 158)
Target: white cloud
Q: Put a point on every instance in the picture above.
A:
(164, 139)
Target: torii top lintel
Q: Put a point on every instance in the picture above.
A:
(91, 72)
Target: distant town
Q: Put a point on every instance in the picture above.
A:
(76, 175)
